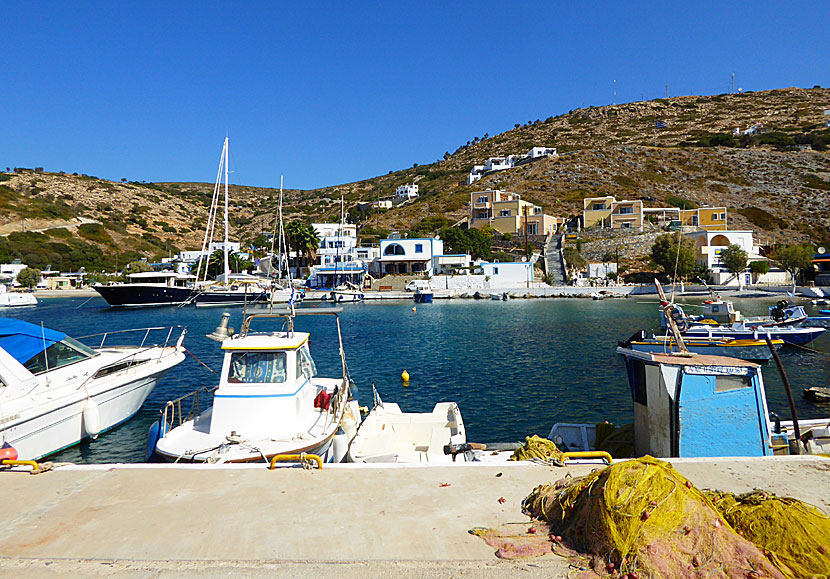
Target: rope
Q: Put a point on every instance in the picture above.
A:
(85, 302)
(198, 360)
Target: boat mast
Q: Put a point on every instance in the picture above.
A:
(227, 269)
(211, 221)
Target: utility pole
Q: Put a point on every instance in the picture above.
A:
(733, 83)
(615, 91)
(667, 91)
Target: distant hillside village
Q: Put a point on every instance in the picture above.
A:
(551, 253)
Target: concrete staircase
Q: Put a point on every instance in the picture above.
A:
(553, 260)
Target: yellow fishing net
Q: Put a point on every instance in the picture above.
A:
(639, 518)
(795, 536)
(538, 448)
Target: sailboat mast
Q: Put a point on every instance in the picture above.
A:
(227, 268)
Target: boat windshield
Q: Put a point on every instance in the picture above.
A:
(67, 351)
(257, 367)
(305, 365)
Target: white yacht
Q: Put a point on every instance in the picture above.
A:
(57, 392)
(269, 402)
(12, 299)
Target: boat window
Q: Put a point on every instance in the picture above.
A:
(727, 383)
(59, 354)
(257, 367)
(305, 365)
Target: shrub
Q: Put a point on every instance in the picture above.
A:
(94, 232)
(759, 267)
(680, 202)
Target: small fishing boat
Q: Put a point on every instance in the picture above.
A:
(346, 292)
(13, 299)
(389, 435)
(817, 394)
(269, 402)
(58, 391)
(694, 327)
(423, 296)
(754, 350)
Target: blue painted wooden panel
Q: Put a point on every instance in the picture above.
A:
(720, 423)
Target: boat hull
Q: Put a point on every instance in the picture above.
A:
(45, 429)
(11, 300)
(423, 298)
(229, 298)
(142, 296)
(790, 335)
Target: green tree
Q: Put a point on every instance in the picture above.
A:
(29, 277)
(476, 242)
(674, 253)
(734, 259)
(138, 266)
(759, 267)
(303, 239)
(794, 258)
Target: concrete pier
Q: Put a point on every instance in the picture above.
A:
(346, 520)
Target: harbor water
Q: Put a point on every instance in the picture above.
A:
(514, 367)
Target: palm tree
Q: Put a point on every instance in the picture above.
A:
(302, 238)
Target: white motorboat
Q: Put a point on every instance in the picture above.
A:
(346, 292)
(389, 435)
(269, 402)
(57, 391)
(11, 299)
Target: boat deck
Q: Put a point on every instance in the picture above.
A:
(346, 520)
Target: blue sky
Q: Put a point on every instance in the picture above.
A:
(328, 93)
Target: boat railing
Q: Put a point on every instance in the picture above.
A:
(173, 414)
(117, 336)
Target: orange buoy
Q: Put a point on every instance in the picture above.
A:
(8, 452)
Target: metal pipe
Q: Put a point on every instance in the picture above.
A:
(793, 413)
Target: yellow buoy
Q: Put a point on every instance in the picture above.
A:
(414, 309)
(405, 376)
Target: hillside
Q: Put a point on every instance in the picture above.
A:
(767, 182)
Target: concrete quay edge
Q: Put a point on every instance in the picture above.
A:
(346, 520)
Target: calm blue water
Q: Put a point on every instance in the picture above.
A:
(515, 368)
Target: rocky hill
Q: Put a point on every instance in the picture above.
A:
(776, 181)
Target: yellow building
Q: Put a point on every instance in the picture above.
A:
(708, 218)
(627, 215)
(608, 212)
(507, 213)
(597, 210)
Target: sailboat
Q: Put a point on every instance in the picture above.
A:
(227, 292)
(346, 291)
(282, 292)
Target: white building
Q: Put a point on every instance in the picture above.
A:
(508, 274)
(601, 270)
(710, 244)
(9, 271)
(193, 256)
(407, 192)
(508, 162)
(475, 174)
(537, 152)
(408, 256)
(337, 256)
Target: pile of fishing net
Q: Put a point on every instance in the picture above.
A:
(641, 518)
(795, 536)
(536, 447)
(616, 440)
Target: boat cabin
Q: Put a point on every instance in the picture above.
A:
(265, 385)
(697, 406)
(165, 278)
